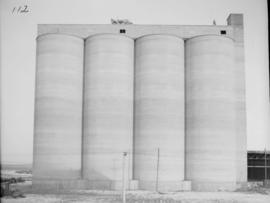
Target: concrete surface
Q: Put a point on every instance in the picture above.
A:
(241, 138)
(58, 107)
(108, 108)
(159, 112)
(135, 31)
(211, 121)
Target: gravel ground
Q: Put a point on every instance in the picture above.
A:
(252, 194)
(146, 197)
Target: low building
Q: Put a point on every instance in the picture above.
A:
(258, 165)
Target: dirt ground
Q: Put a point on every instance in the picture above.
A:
(253, 194)
(147, 197)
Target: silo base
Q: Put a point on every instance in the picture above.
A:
(213, 186)
(57, 185)
(110, 185)
(165, 186)
(242, 185)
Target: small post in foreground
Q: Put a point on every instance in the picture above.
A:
(157, 175)
(124, 178)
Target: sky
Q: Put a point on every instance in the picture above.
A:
(18, 48)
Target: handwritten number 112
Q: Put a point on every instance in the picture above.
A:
(21, 9)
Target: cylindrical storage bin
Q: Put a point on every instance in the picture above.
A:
(159, 113)
(58, 108)
(211, 113)
(108, 110)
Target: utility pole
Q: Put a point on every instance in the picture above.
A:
(124, 178)
(157, 177)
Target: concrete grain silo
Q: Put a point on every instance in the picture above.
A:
(108, 110)
(58, 110)
(159, 113)
(178, 109)
(211, 113)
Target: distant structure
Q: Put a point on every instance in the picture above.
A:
(170, 97)
(121, 22)
(214, 22)
(258, 165)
